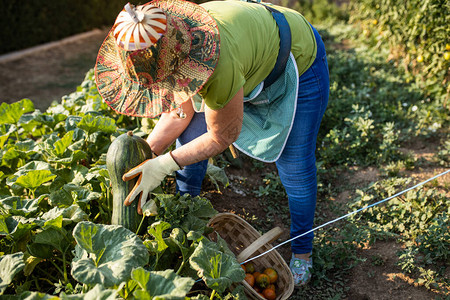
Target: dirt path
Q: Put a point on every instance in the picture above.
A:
(46, 73)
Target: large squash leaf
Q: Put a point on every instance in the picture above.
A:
(161, 284)
(71, 193)
(57, 238)
(91, 124)
(216, 265)
(10, 265)
(11, 113)
(97, 293)
(35, 178)
(20, 206)
(106, 254)
(15, 226)
(61, 145)
(70, 214)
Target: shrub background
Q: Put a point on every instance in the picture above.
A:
(417, 33)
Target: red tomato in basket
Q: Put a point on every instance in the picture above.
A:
(269, 294)
(250, 279)
(263, 280)
(273, 275)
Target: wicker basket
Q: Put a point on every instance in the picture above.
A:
(245, 242)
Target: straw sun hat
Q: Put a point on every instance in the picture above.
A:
(156, 57)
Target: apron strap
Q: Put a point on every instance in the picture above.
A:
(285, 44)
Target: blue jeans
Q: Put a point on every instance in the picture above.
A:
(297, 163)
(189, 179)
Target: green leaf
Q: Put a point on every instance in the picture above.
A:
(70, 194)
(19, 206)
(177, 243)
(106, 254)
(31, 166)
(36, 296)
(24, 149)
(35, 178)
(91, 124)
(71, 214)
(3, 139)
(30, 263)
(71, 123)
(4, 230)
(192, 223)
(15, 227)
(237, 294)
(62, 144)
(203, 208)
(175, 209)
(100, 173)
(217, 174)
(161, 284)
(74, 156)
(156, 230)
(40, 250)
(79, 174)
(49, 120)
(57, 238)
(54, 223)
(11, 113)
(97, 293)
(10, 265)
(34, 165)
(216, 266)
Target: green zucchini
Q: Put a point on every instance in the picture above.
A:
(125, 152)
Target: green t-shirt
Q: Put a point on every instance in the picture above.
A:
(249, 45)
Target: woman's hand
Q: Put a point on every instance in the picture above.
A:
(151, 173)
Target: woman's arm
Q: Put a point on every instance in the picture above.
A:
(224, 126)
(169, 128)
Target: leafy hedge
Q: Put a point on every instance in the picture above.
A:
(28, 23)
(417, 34)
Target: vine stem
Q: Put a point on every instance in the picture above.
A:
(48, 275)
(47, 280)
(66, 279)
(181, 267)
(212, 295)
(56, 266)
(140, 224)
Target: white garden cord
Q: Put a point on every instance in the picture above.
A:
(347, 215)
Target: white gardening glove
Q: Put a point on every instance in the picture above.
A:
(152, 172)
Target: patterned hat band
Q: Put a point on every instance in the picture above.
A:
(156, 57)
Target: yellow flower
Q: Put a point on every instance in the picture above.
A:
(447, 55)
(420, 58)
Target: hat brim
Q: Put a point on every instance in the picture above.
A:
(159, 94)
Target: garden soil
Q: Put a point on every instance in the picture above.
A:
(46, 73)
